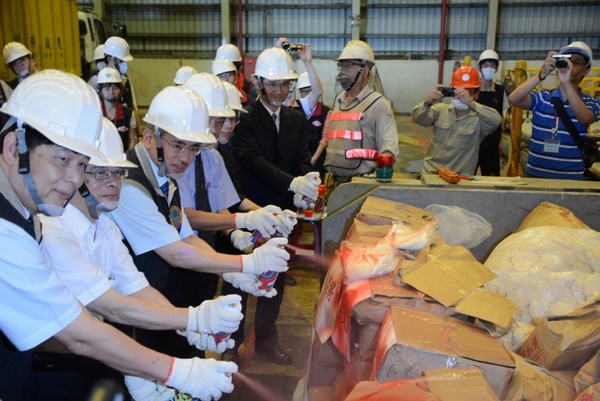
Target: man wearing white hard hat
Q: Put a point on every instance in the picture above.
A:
(247, 89)
(274, 169)
(183, 73)
(491, 94)
(553, 152)
(154, 224)
(360, 110)
(43, 156)
(90, 258)
(19, 59)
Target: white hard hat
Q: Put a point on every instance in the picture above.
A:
(357, 50)
(275, 64)
(229, 52)
(303, 81)
(183, 73)
(117, 47)
(109, 75)
(182, 113)
(211, 90)
(99, 53)
(13, 51)
(111, 147)
(234, 97)
(580, 48)
(222, 65)
(488, 55)
(62, 107)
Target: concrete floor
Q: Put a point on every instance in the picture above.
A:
(270, 382)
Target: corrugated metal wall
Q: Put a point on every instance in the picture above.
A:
(394, 28)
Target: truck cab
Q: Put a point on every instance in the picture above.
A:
(92, 32)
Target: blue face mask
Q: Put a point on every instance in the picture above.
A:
(123, 67)
(100, 65)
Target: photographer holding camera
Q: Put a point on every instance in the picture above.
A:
(553, 153)
(459, 126)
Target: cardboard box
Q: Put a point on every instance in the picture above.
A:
(401, 390)
(413, 341)
(456, 384)
(564, 343)
(379, 211)
(532, 382)
(550, 214)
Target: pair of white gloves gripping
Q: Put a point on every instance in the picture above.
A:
(306, 190)
(213, 317)
(269, 221)
(203, 379)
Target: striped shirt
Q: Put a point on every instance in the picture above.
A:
(542, 161)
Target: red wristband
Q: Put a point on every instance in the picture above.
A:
(170, 369)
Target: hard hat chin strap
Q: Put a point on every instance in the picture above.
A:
(25, 171)
(160, 154)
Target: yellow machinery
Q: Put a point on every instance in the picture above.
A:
(518, 75)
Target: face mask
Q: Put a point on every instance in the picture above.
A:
(345, 78)
(459, 105)
(488, 73)
(123, 68)
(100, 65)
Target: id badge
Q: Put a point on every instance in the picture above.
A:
(551, 145)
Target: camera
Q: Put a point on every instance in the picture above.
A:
(289, 47)
(447, 91)
(560, 63)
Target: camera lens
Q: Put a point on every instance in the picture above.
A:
(287, 46)
(561, 64)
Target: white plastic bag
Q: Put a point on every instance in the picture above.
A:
(458, 226)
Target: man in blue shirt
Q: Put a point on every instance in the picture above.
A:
(552, 151)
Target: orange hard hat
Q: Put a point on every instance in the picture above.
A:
(465, 77)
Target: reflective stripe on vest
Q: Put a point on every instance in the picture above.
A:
(344, 134)
(361, 154)
(346, 115)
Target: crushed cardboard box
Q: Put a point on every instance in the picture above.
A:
(532, 382)
(588, 374)
(413, 341)
(565, 343)
(457, 384)
(379, 211)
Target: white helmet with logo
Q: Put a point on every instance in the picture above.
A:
(211, 90)
(303, 81)
(111, 147)
(357, 50)
(580, 48)
(488, 55)
(183, 73)
(13, 51)
(182, 113)
(229, 52)
(222, 65)
(234, 97)
(275, 64)
(109, 75)
(117, 47)
(99, 53)
(62, 107)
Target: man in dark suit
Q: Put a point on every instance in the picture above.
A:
(274, 168)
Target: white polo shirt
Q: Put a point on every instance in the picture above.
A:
(34, 304)
(90, 257)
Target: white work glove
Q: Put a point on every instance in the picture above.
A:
(242, 240)
(286, 222)
(307, 185)
(146, 390)
(206, 341)
(204, 379)
(248, 283)
(270, 256)
(302, 202)
(220, 315)
(262, 220)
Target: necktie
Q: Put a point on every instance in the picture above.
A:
(275, 121)
(202, 202)
(165, 189)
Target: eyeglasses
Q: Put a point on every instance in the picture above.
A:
(347, 64)
(102, 175)
(179, 148)
(285, 85)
